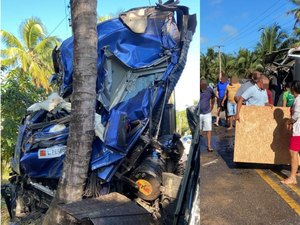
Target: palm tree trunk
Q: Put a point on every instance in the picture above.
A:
(81, 134)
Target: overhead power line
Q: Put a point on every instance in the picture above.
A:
(255, 29)
(249, 44)
(255, 26)
(67, 14)
(255, 19)
(58, 25)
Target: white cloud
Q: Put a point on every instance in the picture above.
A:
(215, 2)
(203, 40)
(230, 30)
(244, 15)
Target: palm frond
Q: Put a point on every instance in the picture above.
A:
(12, 52)
(241, 60)
(25, 60)
(10, 40)
(45, 45)
(32, 31)
(40, 77)
(8, 62)
(14, 73)
(295, 12)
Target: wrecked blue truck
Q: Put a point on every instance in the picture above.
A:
(136, 152)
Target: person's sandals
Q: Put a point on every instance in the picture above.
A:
(216, 124)
(289, 181)
(210, 149)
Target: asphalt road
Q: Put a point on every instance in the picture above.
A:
(242, 194)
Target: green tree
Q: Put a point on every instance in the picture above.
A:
(182, 123)
(204, 66)
(81, 135)
(295, 12)
(228, 63)
(209, 67)
(272, 38)
(18, 93)
(32, 54)
(246, 62)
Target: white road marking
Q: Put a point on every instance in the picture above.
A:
(211, 162)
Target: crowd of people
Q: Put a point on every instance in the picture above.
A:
(231, 96)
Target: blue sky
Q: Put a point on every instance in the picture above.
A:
(55, 14)
(236, 23)
(232, 23)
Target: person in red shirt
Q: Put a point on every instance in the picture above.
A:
(294, 125)
(266, 84)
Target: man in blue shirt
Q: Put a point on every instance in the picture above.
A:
(206, 104)
(221, 90)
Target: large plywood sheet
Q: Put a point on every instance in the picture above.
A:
(262, 136)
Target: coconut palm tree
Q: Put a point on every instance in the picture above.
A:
(209, 67)
(81, 134)
(296, 12)
(204, 66)
(212, 55)
(31, 54)
(228, 62)
(272, 38)
(246, 62)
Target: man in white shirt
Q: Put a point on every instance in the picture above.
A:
(254, 95)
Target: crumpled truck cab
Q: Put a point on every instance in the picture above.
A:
(141, 56)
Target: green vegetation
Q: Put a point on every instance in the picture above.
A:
(31, 55)
(245, 61)
(18, 93)
(182, 123)
(296, 13)
(26, 65)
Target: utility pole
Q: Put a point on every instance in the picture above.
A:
(220, 61)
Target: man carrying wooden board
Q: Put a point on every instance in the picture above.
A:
(254, 95)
